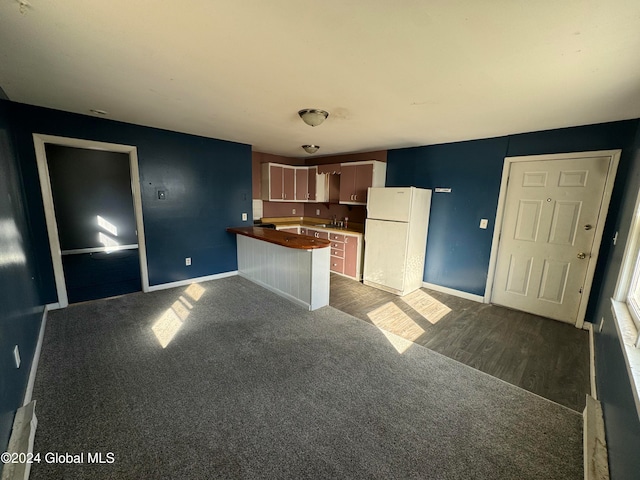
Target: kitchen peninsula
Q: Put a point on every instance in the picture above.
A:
(291, 265)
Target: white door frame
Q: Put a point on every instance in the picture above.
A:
(614, 159)
(39, 141)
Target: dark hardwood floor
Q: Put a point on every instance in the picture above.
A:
(543, 356)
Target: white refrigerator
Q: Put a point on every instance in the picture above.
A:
(395, 238)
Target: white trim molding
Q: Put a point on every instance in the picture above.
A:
(189, 281)
(454, 292)
(36, 360)
(588, 326)
(614, 156)
(628, 333)
(39, 141)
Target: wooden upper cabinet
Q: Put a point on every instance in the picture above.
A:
(289, 183)
(302, 181)
(278, 182)
(276, 185)
(357, 177)
(312, 173)
(347, 183)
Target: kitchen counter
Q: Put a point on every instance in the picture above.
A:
(293, 266)
(285, 239)
(310, 222)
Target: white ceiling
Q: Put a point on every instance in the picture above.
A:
(391, 74)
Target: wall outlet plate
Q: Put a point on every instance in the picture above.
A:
(187, 261)
(293, 211)
(244, 217)
(318, 211)
(484, 223)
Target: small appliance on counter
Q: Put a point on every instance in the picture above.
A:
(396, 238)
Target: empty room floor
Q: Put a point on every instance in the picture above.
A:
(225, 379)
(543, 356)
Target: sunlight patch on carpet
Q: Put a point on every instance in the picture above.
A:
(166, 327)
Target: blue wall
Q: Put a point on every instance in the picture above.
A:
(207, 184)
(20, 307)
(614, 388)
(458, 250)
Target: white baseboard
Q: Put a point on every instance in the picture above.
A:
(36, 359)
(592, 358)
(455, 293)
(189, 281)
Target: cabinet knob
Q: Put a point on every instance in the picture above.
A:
(582, 255)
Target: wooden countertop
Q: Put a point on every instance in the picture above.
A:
(285, 239)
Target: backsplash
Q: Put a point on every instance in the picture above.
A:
(355, 213)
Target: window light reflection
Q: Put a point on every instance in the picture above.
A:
(110, 244)
(397, 326)
(170, 322)
(427, 306)
(108, 226)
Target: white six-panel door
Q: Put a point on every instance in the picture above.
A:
(547, 238)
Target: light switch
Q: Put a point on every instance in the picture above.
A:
(244, 217)
(484, 223)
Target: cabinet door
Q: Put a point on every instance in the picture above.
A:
(347, 183)
(351, 256)
(289, 181)
(302, 190)
(363, 180)
(275, 182)
(311, 183)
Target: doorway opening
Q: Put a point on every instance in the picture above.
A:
(93, 209)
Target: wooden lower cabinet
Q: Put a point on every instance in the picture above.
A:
(346, 249)
(346, 255)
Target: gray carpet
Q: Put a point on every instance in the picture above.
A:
(252, 386)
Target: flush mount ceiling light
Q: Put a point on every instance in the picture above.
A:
(310, 148)
(312, 116)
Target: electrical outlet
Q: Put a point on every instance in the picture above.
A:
(484, 223)
(16, 356)
(318, 211)
(293, 211)
(244, 217)
(187, 261)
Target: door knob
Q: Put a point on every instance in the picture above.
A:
(582, 255)
(588, 227)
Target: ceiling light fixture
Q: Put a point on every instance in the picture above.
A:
(313, 116)
(310, 148)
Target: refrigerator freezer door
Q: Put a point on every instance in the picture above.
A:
(385, 254)
(389, 203)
